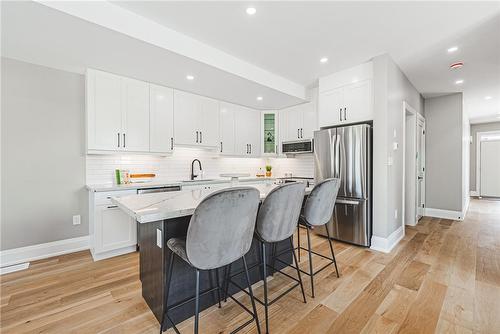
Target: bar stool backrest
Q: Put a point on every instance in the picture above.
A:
(279, 213)
(320, 203)
(221, 228)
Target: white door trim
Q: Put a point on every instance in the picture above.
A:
(478, 160)
(411, 110)
(422, 156)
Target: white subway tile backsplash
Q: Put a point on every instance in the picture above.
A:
(100, 168)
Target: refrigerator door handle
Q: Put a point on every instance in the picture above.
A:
(345, 201)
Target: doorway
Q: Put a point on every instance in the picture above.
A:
(413, 165)
(488, 160)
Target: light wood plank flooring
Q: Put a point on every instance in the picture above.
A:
(443, 277)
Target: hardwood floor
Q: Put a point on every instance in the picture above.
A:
(443, 277)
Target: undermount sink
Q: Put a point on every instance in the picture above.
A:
(201, 180)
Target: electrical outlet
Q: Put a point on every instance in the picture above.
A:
(395, 146)
(76, 220)
(396, 214)
(158, 237)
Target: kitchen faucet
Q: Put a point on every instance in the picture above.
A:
(193, 176)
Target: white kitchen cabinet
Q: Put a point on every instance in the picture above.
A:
(161, 119)
(247, 130)
(117, 113)
(300, 122)
(346, 97)
(227, 119)
(196, 120)
(269, 133)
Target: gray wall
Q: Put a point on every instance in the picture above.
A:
(474, 129)
(42, 157)
(444, 152)
(391, 88)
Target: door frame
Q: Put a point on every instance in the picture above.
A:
(422, 153)
(478, 158)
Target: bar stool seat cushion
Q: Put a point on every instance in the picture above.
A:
(178, 246)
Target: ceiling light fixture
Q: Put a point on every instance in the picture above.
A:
(457, 65)
(259, 98)
(251, 10)
(459, 82)
(189, 77)
(452, 49)
(488, 97)
(323, 60)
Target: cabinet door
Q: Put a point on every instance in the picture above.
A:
(331, 104)
(209, 125)
(310, 121)
(161, 119)
(185, 118)
(254, 133)
(294, 123)
(114, 229)
(358, 101)
(104, 111)
(269, 133)
(135, 116)
(227, 127)
(247, 132)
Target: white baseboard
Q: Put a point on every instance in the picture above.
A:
(112, 253)
(446, 214)
(13, 268)
(474, 193)
(16, 256)
(387, 244)
(466, 207)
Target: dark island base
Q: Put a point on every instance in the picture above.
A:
(153, 269)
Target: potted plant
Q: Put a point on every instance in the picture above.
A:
(268, 170)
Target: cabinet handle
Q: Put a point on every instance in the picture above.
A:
(171, 143)
(201, 137)
(301, 133)
(112, 206)
(298, 133)
(276, 149)
(340, 114)
(345, 114)
(250, 148)
(196, 136)
(123, 140)
(118, 139)
(220, 147)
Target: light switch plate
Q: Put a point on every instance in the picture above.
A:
(76, 220)
(395, 146)
(158, 238)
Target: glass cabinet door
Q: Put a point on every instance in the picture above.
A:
(269, 134)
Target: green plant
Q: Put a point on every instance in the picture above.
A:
(269, 168)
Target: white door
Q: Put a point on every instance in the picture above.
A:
(161, 119)
(135, 116)
(104, 103)
(358, 102)
(186, 118)
(420, 168)
(294, 122)
(227, 125)
(115, 229)
(490, 171)
(331, 107)
(209, 125)
(310, 121)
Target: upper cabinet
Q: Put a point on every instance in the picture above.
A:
(298, 122)
(346, 97)
(196, 120)
(269, 127)
(117, 113)
(161, 119)
(239, 130)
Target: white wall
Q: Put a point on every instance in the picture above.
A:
(474, 129)
(391, 88)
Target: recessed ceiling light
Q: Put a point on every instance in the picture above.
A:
(259, 98)
(251, 10)
(488, 97)
(189, 77)
(452, 49)
(323, 60)
(459, 82)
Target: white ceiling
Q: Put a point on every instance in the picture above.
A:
(289, 38)
(286, 39)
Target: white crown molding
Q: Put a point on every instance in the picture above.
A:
(116, 18)
(387, 244)
(22, 255)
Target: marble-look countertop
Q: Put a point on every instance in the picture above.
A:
(146, 208)
(167, 183)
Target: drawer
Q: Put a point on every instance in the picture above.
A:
(104, 198)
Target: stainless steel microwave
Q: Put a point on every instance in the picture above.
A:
(297, 146)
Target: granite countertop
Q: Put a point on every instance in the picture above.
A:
(166, 183)
(147, 208)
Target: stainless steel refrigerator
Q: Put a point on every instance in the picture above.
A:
(346, 153)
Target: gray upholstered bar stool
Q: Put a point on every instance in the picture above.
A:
(219, 233)
(277, 221)
(318, 211)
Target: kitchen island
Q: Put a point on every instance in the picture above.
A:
(161, 216)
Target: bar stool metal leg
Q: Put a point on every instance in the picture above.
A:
(197, 303)
(254, 308)
(298, 270)
(298, 240)
(226, 281)
(166, 292)
(218, 285)
(310, 261)
(264, 271)
(331, 249)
